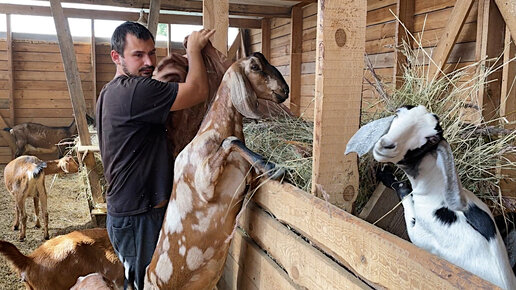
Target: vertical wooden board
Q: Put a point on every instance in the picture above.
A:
(405, 12)
(338, 85)
(266, 38)
(215, 15)
(508, 12)
(296, 40)
(153, 21)
(93, 66)
(72, 72)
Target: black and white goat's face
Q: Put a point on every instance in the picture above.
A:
(413, 132)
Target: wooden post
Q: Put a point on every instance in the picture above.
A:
(296, 50)
(169, 41)
(508, 106)
(449, 36)
(338, 85)
(233, 49)
(405, 12)
(492, 46)
(266, 37)
(215, 15)
(94, 64)
(153, 21)
(10, 75)
(71, 70)
(508, 12)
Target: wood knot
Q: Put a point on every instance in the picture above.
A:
(340, 37)
(294, 273)
(349, 193)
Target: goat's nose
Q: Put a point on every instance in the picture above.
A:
(387, 144)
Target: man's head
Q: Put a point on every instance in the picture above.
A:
(133, 50)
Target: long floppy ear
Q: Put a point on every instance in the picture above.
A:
(243, 96)
(365, 138)
(453, 194)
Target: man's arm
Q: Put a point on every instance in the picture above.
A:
(195, 89)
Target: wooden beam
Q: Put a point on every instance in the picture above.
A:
(296, 52)
(73, 79)
(508, 11)
(405, 13)
(196, 6)
(374, 255)
(449, 37)
(169, 40)
(340, 48)
(491, 47)
(266, 37)
(124, 16)
(152, 24)
(94, 64)
(233, 49)
(215, 16)
(10, 75)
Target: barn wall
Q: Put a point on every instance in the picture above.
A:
(430, 16)
(40, 88)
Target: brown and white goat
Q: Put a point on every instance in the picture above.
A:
(210, 178)
(60, 261)
(25, 177)
(38, 138)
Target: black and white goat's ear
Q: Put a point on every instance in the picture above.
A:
(365, 138)
(453, 195)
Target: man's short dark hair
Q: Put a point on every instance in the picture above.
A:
(134, 28)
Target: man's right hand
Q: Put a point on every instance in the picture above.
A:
(198, 40)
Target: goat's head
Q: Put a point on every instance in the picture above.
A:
(405, 139)
(252, 79)
(68, 164)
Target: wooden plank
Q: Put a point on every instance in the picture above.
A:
(508, 11)
(122, 16)
(21, 45)
(233, 49)
(71, 70)
(405, 13)
(445, 45)
(296, 41)
(266, 38)
(492, 46)
(338, 84)
(48, 57)
(381, 15)
(47, 66)
(94, 66)
(10, 73)
(304, 264)
(153, 20)
(373, 254)
(215, 16)
(248, 267)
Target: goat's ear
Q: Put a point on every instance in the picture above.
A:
(453, 195)
(243, 96)
(365, 138)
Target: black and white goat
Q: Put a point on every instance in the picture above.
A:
(441, 216)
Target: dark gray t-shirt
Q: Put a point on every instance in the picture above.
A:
(131, 115)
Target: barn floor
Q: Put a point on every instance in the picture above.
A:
(68, 211)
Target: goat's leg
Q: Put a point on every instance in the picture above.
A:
(20, 205)
(256, 160)
(36, 211)
(43, 198)
(16, 223)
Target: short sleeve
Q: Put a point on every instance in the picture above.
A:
(152, 100)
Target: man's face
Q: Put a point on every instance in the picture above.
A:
(139, 57)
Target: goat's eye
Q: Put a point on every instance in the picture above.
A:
(255, 67)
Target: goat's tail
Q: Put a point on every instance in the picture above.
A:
(19, 260)
(8, 129)
(38, 169)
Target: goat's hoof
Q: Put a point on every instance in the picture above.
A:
(15, 228)
(277, 173)
(46, 236)
(38, 225)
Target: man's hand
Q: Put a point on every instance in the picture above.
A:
(198, 40)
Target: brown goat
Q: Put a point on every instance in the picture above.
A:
(58, 262)
(38, 138)
(93, 281)
(25, 177)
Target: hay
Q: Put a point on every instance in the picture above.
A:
(286, 141)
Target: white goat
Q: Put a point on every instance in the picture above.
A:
(441, 216)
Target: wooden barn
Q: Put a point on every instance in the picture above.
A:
(288, 238)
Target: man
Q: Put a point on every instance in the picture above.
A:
(131, 113)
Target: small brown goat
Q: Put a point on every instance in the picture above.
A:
(93, 281)
(38, 138)
(25, 177)
(59, 262)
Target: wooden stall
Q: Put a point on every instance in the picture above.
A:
(287, 238)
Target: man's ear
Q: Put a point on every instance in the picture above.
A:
(115, 57)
